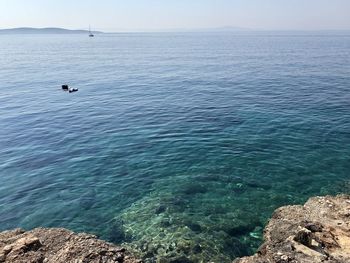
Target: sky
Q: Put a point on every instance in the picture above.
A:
(163, 15)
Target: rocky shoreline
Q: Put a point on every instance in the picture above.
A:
(318, 231)
(57, 245)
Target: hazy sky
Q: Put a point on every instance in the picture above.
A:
(131, 15)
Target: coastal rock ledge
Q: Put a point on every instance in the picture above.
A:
(56, 245)
(319, 231)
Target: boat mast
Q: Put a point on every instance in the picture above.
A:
(90, 33)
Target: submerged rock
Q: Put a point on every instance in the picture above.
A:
(116, 233)
(181, 259)
(160, 209)
(240, 230)
(58, 246)
(194, 227)
(317, 232)
(192, 189)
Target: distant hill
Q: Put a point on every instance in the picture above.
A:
(48, 30)
(195, 30)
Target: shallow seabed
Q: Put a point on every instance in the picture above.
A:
(179, 146)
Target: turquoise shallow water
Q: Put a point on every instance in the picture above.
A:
(180, 146)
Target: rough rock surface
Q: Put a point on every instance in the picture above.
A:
(58, 246)
(319, 231)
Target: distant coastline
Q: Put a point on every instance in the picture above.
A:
(57, 30)
(48, 30)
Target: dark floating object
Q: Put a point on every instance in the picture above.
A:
(73, 90)
(67, 88)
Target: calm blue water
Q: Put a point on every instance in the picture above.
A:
(177, 145)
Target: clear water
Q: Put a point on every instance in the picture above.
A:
(180, 146)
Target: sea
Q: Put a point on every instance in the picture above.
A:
(178, 146)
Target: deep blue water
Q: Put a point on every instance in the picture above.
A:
(177, 145)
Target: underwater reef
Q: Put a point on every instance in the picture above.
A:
(188, 221)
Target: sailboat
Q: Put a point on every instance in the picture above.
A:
(90, 33)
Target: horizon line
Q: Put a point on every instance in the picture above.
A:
(173, 30)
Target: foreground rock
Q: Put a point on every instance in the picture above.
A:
(57, 246)
(319, 231)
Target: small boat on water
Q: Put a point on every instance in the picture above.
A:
(90, 33)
